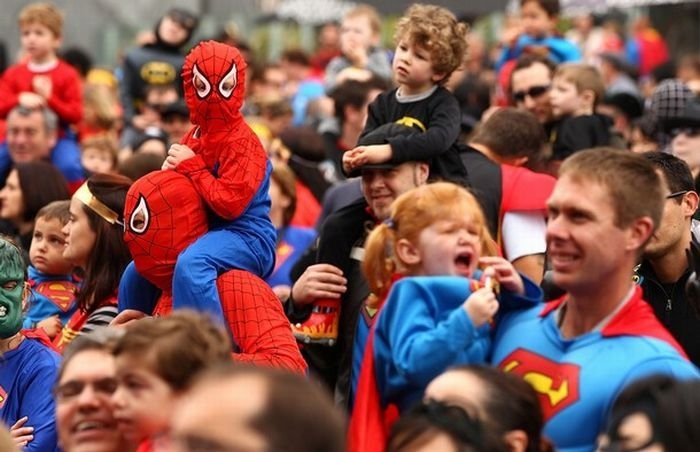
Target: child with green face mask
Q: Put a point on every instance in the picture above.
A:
(28, 364)
(11, 290)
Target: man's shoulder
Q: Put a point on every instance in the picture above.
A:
(350, 215)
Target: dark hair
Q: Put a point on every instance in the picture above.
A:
(551, 7)
(510, 403)
(139, 164)
(353, 93)
(526, 60)
(673, 406)
(511, 133)
(56, 210)
(110, 255)
(430, 418)
(41, 183)
(298, 416)
(296, 56)
(676, 172)
(176, 347)
(79, 58)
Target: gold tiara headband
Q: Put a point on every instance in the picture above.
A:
(85, 196)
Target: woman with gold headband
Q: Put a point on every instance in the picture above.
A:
(95, 244)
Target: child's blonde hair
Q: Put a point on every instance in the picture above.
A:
(45, 14)
(411, 213)
(584, 77)
(438, 30)
(363, 10)
(56, 210)
(103, 142)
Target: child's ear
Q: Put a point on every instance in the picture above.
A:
(437, 76)
(588, 96)
(407, 253)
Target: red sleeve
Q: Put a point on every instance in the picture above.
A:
(66, 95)
(259, 326)
(242, 168)
(10, 87)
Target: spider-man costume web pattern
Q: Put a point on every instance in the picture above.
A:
(163, 215)
(231, 172)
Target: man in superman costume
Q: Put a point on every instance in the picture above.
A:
(230, 170)
(163, 215)
(580, 351)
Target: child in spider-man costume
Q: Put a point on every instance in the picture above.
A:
(230, 170)
(165, 215)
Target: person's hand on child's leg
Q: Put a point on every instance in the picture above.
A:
(31, 100)
(177, 154)
(481, 306)
(504, 272)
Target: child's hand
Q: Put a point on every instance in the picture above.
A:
(31, 100)
(363, 155)
(481, 306)
(51, 325)
(177, 154)
(20, 434)
(127, 316)
(504, 272)
(41, 84)
(357, 54)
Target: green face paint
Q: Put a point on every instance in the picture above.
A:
(11, 289)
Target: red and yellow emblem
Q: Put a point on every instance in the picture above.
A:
(556, 384)
(61, 293)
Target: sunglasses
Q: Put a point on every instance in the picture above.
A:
(677, 194)
(690, 132)
(534, 92)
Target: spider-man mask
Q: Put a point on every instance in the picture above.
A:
(162, 216)
(214, 83)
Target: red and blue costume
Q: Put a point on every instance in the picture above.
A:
(420, 331)
(51, 295)
(231, 172)
(577, 379)
(163, 216)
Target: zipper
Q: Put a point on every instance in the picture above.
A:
(669, 308)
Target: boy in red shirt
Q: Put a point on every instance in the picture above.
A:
(41, 79)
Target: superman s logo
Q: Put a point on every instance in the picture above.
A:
(556, 384)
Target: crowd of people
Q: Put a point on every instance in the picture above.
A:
(433, 246)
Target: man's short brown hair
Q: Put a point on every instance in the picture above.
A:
(632, 181)
(512, 133)
(45, 14)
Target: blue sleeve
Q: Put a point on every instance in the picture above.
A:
(510, 301)
(39, 406)
(136, 292)
(424, 334)
(632, 53)
(66, 157)
(5, 161)
(562, 50)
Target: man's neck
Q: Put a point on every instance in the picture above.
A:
(484, 150)
(670, 267)
(585, 311)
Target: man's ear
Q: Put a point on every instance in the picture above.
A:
(690, 203)
(516, 440)
(408, 254)
(639, 232)
(422, 173)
